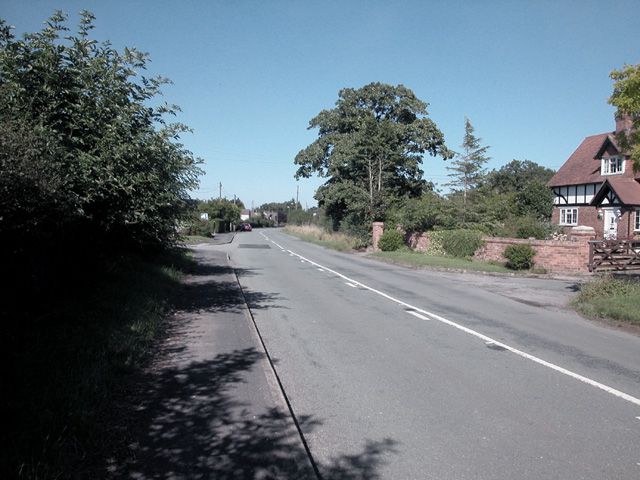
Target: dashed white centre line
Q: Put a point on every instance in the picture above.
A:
(320, 270)
(411, 309)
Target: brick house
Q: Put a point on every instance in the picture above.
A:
(597, 187)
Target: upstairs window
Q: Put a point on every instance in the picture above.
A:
(568, 216)
(612, 165)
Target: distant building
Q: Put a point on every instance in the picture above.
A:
(270, 215)
(245, 214)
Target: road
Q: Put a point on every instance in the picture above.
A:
(399, 373)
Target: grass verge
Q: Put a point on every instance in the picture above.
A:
(417, 259)
(67, 361)
(193, 239)
(335, 240)
(610, 298)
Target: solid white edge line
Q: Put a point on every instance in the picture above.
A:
(351, 284)
(576, 376)
(417, 315)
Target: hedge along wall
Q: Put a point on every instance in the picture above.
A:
(552, 255)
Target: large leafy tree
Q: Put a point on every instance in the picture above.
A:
(467, 168)
(626, 98)
(370, 148)
(84, 148)
(516, 175)
(525, 182)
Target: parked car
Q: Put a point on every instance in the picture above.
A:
(244, 227)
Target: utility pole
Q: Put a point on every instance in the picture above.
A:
(220, 196)
(297, 193)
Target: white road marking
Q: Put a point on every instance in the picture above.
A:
(353, 283)
(320, 270)
(418, 315)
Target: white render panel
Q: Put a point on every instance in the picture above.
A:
(575, 194)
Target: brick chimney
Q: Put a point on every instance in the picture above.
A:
(624, 122)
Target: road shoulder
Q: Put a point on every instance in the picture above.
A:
(210, 406)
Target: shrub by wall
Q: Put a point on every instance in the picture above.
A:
(459, 243)
(519, 257)
(391, 240)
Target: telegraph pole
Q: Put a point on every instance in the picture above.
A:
(220, 195)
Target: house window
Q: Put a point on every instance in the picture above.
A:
(637, 227)
(612, 165)
(568, 216)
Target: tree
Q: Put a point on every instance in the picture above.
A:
(370, 149)
(221, 209)
(516, 175)
(626, 98)
(525, 181)
(83, 151)
(467, 167)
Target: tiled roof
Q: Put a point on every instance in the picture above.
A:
(626, 189)
(582, 166)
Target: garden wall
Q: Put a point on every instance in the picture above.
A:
(568, 256)
(552, 255)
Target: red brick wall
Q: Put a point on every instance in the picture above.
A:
(418, 241)
(553, 256)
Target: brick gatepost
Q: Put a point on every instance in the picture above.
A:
(376, 233)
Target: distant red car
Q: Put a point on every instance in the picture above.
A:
(244, 227)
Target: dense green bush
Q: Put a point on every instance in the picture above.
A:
(525, 227)
(461, 243)
(261, 222)
(519, 256)
(391, 240)
(84, 150)
(202, 228)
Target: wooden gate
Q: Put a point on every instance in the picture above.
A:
(614, 255)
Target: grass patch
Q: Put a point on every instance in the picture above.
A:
(335, 240)
(68, 359)
(193, 239)
(611, 299)
(417, 259)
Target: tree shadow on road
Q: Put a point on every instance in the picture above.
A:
(213, 287)
(190, 424)
(198, 415)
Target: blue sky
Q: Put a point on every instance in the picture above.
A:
(532, 76)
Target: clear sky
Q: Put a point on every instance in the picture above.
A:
(532, 76)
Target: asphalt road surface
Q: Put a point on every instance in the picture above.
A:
(407, 373)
